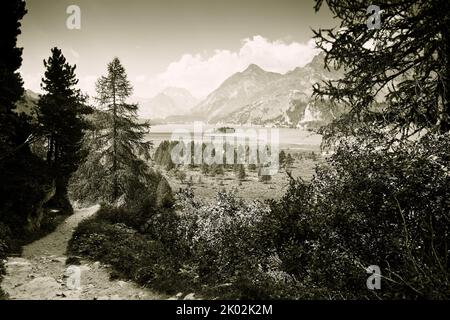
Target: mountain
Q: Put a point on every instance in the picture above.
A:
(171, 101)
(256, 96)
(235, 92)
(27, 104)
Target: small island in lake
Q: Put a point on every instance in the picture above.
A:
(225, 130)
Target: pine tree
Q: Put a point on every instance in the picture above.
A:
(289, 161)
(240, 173)
(263, 177)
(23, 175)
(117, 151)
(11, 90)
(61, 113)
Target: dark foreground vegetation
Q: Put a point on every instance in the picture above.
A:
(303, 246)
(39, 149)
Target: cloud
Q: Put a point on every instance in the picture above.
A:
(201, 74)
(141, 78)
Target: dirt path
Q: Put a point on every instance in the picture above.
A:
(41, 272)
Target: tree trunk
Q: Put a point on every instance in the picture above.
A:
(115, 182)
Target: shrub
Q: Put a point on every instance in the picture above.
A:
(217, 249)
(367, 206)
(216, 169)
(371, 206)
(181, 175)
(227, 245)
(139, 244)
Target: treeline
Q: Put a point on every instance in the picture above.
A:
(242, 158)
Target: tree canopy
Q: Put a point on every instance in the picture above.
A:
(396, 77)
(61, 112)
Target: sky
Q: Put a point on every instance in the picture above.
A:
(192, 44)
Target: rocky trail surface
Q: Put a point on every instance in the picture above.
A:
(41, 272)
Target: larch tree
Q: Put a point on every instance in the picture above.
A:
(397, 75)
(117, 150)
(240, 173)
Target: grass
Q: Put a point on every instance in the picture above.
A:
(249, 188)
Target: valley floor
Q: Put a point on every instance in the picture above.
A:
(41, 272)
(206, 187)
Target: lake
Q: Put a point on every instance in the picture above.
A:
(289, 138)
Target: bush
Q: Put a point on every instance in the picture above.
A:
(227, 246)
(217, 169)
(240, 172)
(181, 175)
(218, 250)
(370, 207)
(367, 206)
(132, 254)
(163, 156)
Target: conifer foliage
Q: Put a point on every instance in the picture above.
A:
(11, 89)
(117, 150)
(61, 113)
(396, 76)
(23, 176)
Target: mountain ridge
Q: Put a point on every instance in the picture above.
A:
(170, 101)
(257, 96)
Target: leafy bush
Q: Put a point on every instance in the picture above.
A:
(229, 252)
(141, 191)
(215, 249)
(132, 254)
(163, 155)
(370, 207)
(367, 206)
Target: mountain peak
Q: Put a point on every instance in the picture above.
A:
(253, 68)
(318, 59)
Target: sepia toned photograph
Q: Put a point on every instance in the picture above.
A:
(252, 150)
